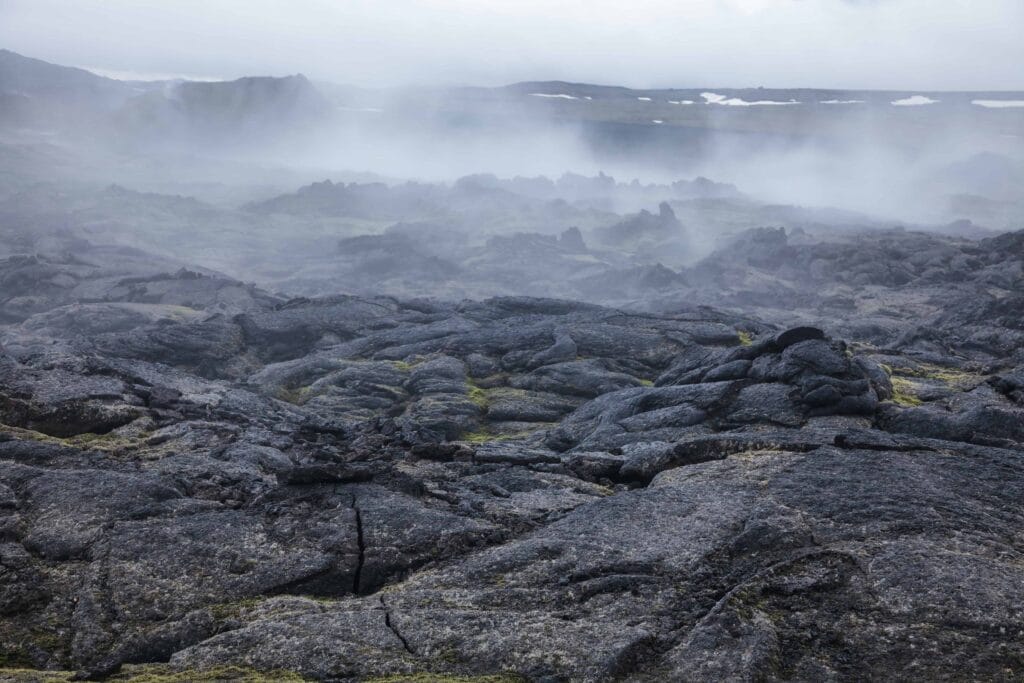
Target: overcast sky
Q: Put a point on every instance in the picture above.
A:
(892, 44)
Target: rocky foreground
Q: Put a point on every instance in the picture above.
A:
(201, 480)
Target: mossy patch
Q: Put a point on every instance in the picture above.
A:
(486, 435)
(408, 365)
(296, 396)
(19, 675)
(110, 442)
(31, 435)
(746, 339)
(904, 387)
(444, 678)
(480, 436)
(903, 393)
(955, 379)
(237, 674)
(477, 395)
(233, 610)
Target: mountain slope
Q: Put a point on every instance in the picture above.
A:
(38, 79)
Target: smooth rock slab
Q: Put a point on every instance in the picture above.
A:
(766, 564)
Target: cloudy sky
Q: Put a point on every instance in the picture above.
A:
(893, 44)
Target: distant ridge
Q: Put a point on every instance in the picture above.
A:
(37, 93)
(615, 122)
(36, 78)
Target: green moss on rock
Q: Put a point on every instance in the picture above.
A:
(20, 675)
(903, 393)
(444, 678)
(159, 673)
(478, 396)
(110, 442)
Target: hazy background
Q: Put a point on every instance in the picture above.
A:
(855, 44)
(197, 141)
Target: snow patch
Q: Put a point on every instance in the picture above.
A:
(680, 101)
(659, 121)
(713, 98)
(842, 102)
(560, 96)
(998, 104)
(915, 101)
(644, 99)
(149, 76)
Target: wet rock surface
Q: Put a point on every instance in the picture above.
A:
(198, 474)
